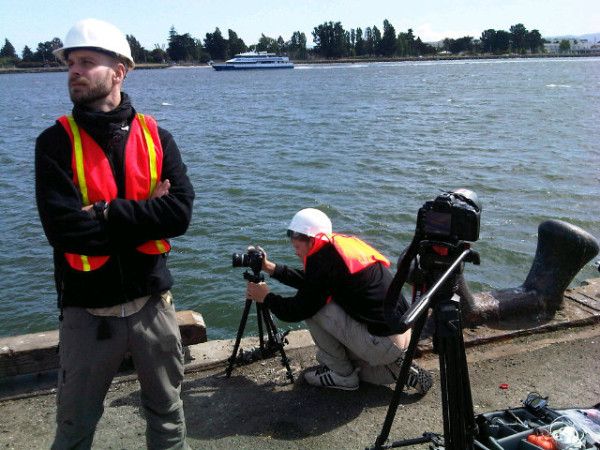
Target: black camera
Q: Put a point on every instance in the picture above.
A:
(253, 259)
(452, 216)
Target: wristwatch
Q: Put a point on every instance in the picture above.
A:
(100, 208)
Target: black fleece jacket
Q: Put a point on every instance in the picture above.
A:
(128, 274)
(360, 295)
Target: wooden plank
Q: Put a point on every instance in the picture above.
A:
(38, 352)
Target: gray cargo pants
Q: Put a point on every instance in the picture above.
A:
(88, 365)
(344, 344)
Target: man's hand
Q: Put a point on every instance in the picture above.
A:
(161, 188)
(257, 291)
(267, 265)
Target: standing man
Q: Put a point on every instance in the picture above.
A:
(111, 189)
(341, 294)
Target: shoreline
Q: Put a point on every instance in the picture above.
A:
(13, 70)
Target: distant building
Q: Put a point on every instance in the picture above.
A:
(578, 46)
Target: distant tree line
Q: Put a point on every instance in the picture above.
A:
(330, 40)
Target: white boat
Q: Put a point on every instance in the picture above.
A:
(255, 60)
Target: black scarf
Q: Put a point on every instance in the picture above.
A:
(110, 130)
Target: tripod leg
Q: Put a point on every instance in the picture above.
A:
(238, 338)
(259, 320)
(401, 382)
(276, 341)
(457, 402)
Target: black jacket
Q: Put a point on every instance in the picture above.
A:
(128, 274)
(361, 295)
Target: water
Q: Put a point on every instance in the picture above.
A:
(368, 144)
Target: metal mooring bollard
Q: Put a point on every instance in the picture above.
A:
(562, 251)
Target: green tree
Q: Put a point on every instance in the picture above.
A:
(44, 51)
(280, 46)
(330, 40)
(502, 42)
(8, 51)
(158, 55)
(296, 47)
(27, 54)
(460, 45)
(369, 44)
(388, 40)
(267, 44)
(488, 41)
(216, 45)
(376, 41)
(564, 46)
(535, 42)
(518, 35)
(422, 48)
(139, 53)
(235, 44)
(359, 46)
(405, 44)
(184, 48)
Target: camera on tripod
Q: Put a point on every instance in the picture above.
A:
(253, 259)
(274, 340)
(452, 216)
(434, 261)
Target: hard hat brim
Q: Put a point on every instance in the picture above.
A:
(63, 53)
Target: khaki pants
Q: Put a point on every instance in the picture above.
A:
(88, 365)
(344, 344)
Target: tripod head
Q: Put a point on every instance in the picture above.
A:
(433, 262)
(253, 276)
(254, 260)
(437, 252)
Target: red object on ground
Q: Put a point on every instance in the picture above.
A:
(544, 441)
(504, 386)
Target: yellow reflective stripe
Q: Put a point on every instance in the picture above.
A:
(78, 149)
(160, 246)
(85, 263)
(151, 153)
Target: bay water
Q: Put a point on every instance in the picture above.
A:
(366, 143)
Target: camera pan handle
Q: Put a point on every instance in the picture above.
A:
(415, 311)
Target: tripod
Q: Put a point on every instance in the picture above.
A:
(275, 339)
(440, 263)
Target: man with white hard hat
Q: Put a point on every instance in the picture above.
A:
(341, 293)
(111, 191)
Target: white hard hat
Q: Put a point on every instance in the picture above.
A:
(94, 33)
(310, 222)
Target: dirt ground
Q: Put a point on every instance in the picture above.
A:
(258, 408)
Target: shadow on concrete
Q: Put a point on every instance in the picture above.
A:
(217, 407)
(220, 407)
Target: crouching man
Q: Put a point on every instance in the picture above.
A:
(340, 295)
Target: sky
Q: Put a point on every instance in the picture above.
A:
(28, 22)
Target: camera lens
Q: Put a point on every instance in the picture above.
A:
(239, 260)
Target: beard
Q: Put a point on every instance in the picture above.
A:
(86, 93)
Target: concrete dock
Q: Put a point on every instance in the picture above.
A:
(258, 408)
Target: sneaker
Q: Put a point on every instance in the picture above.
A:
(419, 379)
(325, 377)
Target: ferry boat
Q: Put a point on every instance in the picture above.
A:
(255, 60)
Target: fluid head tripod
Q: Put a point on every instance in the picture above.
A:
(275, 340)
(438, 265)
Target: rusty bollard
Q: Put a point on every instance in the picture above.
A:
(562, 250)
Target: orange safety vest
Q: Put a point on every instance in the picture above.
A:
(93, 176)
(357, 254)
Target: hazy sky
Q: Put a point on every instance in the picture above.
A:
(27, 22)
